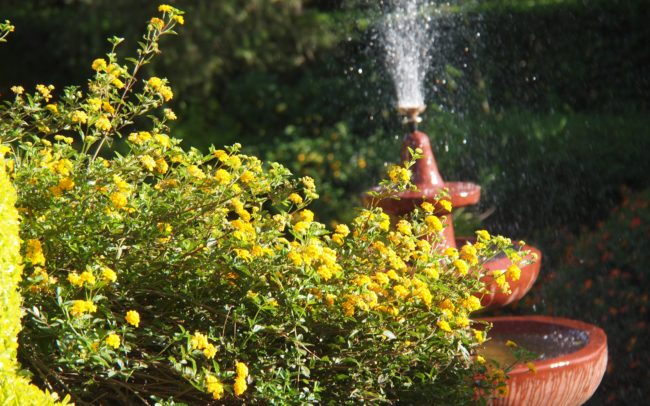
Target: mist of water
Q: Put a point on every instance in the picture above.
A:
(408, 38)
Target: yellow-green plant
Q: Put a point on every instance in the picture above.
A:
(15, 389)
(165, 274)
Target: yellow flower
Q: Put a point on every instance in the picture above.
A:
(472, 303)
(447, 305)
(113, 340)
(155, 82)
(34, 252)
(221, 155)
(157, 23)
(209, 351)
(99, 64)
(121, 184)
(79, 117)
(94, 103)
(108, 108)
(195, 171)
(480, 359)
(169, 114)
(67, 140)
(295, 198)
(234, 162)
(242, 369)
(140, 137)
(444, 326)
(164, 8)
(65, 184)
(342, 229)
(324, 272)
(166, 92)
(52, 108)
(451, 252)
(75, 280)
(483, 235)
(513, 272)
(161, 166)
(109, 275)
(214, 386)
(404, 227)
(461, 266)
(179, 19)
(480, 336)
(400, 291)
(247, 177)
(118, 199)
(468, 253)
(399, 174)
(243, 254)
(45, 91)
(133, 318)
(117, 83)
(531, 367)
(427, 207)
(240, 385)
(87, 277)
(433, 223)
(199, 341)
(148, 162)
(222, 176)
(103, 123)
(446, 204)
(18, 90)
(162, 139)
(79, 307)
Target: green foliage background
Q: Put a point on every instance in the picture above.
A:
(547, 108)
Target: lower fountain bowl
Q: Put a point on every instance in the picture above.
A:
(572, 362)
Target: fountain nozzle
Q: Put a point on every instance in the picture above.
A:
(411, 115)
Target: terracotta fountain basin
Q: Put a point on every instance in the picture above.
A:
(494, 298)
(572, 357)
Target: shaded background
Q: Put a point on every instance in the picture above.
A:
(544, 103)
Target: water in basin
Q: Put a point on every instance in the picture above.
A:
(545, 343)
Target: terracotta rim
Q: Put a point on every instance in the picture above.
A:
(596, 344)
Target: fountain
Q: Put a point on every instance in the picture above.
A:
(572, 354)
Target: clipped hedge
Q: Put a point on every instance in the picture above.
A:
(14, 388)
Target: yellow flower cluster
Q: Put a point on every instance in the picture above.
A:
(109, 275)
(399, 174)
(34, 252)
(240, 385)
(77, 280)
(199, 341)
(79, 307)
(157, 85)
(113, 340)
(45, 91)
(214, 386)
(133, 318)
(341, 231)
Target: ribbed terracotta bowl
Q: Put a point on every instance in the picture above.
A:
(575, 362)
(494, 298)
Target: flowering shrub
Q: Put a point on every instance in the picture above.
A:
(165, 274)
